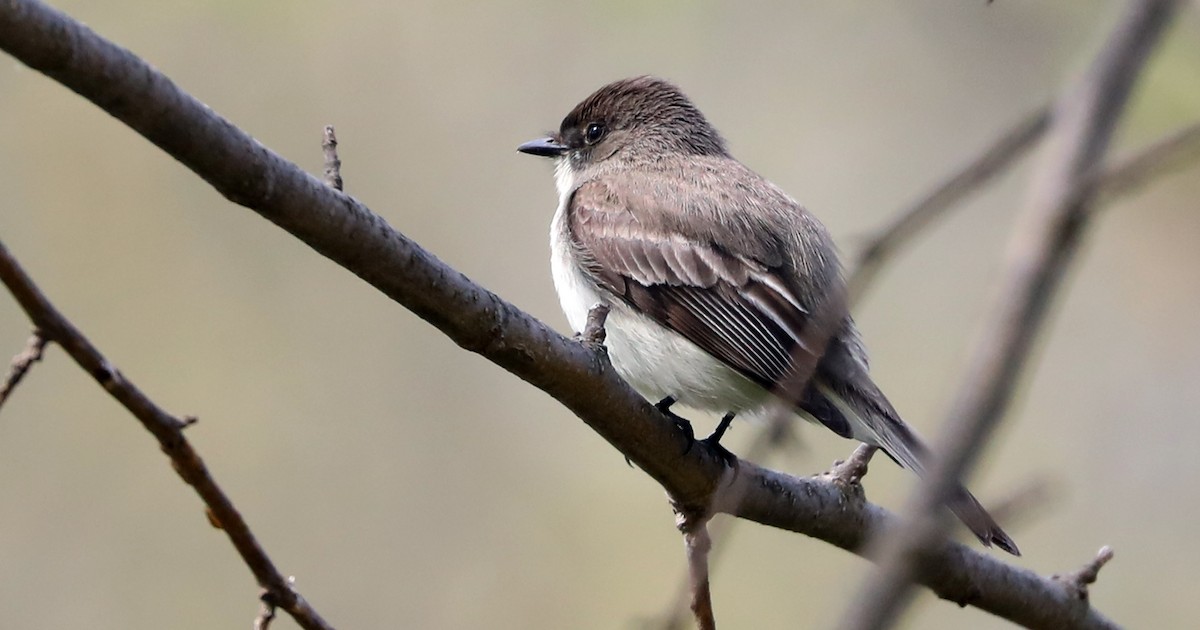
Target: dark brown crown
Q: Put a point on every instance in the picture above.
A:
(656, 111)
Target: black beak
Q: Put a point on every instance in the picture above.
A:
(543, 147)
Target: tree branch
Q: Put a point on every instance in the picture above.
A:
(1162, 156)
(699, 544)
(333, 164)
(778, 431)
(1079, 581)
(342, 229)
(1040, 252)
(1121, 178)
(167, 429)
(907, 223)
(21, 364)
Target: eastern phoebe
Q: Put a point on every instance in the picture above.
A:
(716, 279)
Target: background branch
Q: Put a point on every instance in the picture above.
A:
(21, 364)
(906, 224)
(1040, 252)
(168, 430)
(1124, 176)
(1171, 152)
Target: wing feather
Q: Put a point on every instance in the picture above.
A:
(738, 309)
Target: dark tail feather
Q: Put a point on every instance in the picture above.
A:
(863, 413)
(971, 513)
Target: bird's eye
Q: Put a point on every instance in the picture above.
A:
(594, 132)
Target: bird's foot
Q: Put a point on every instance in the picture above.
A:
(714, 442)
(664, 407)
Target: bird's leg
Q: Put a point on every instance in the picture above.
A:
(664, 407)
(722, 427)
(714, 441)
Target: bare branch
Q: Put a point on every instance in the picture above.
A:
(1079, 581)
(698, 546)
(266, 613)
(593, 331)
(1123, 177)
(820, 508)
(21, 363)
(779, 430)
(1011, 145)
(348, 233)
(167, 429)
(333, 164)
(1039, 254)
(851, 471)
(1169, 153)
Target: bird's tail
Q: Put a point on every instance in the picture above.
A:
(870, 418)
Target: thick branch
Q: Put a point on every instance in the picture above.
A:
(348, 233)
(167, 429)
(1040, 252)
(820, 508)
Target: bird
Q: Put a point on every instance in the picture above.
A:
(720, 286)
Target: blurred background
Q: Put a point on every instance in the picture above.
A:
(408, 484)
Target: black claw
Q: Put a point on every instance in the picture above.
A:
(664, 407)
(722, 453)
(687, 429)
(683, 425)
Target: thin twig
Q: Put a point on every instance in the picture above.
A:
(694, 526)
(266, 613)
(333, 164)
(167, 429)
(265, 616)
(1169, 153)
(1121, 178)
(593, 331)
(779, 430)
(1001, 153)
(1079, 581)
(698, 546)
(1040, 252)
(21, 363)
(851, 471)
